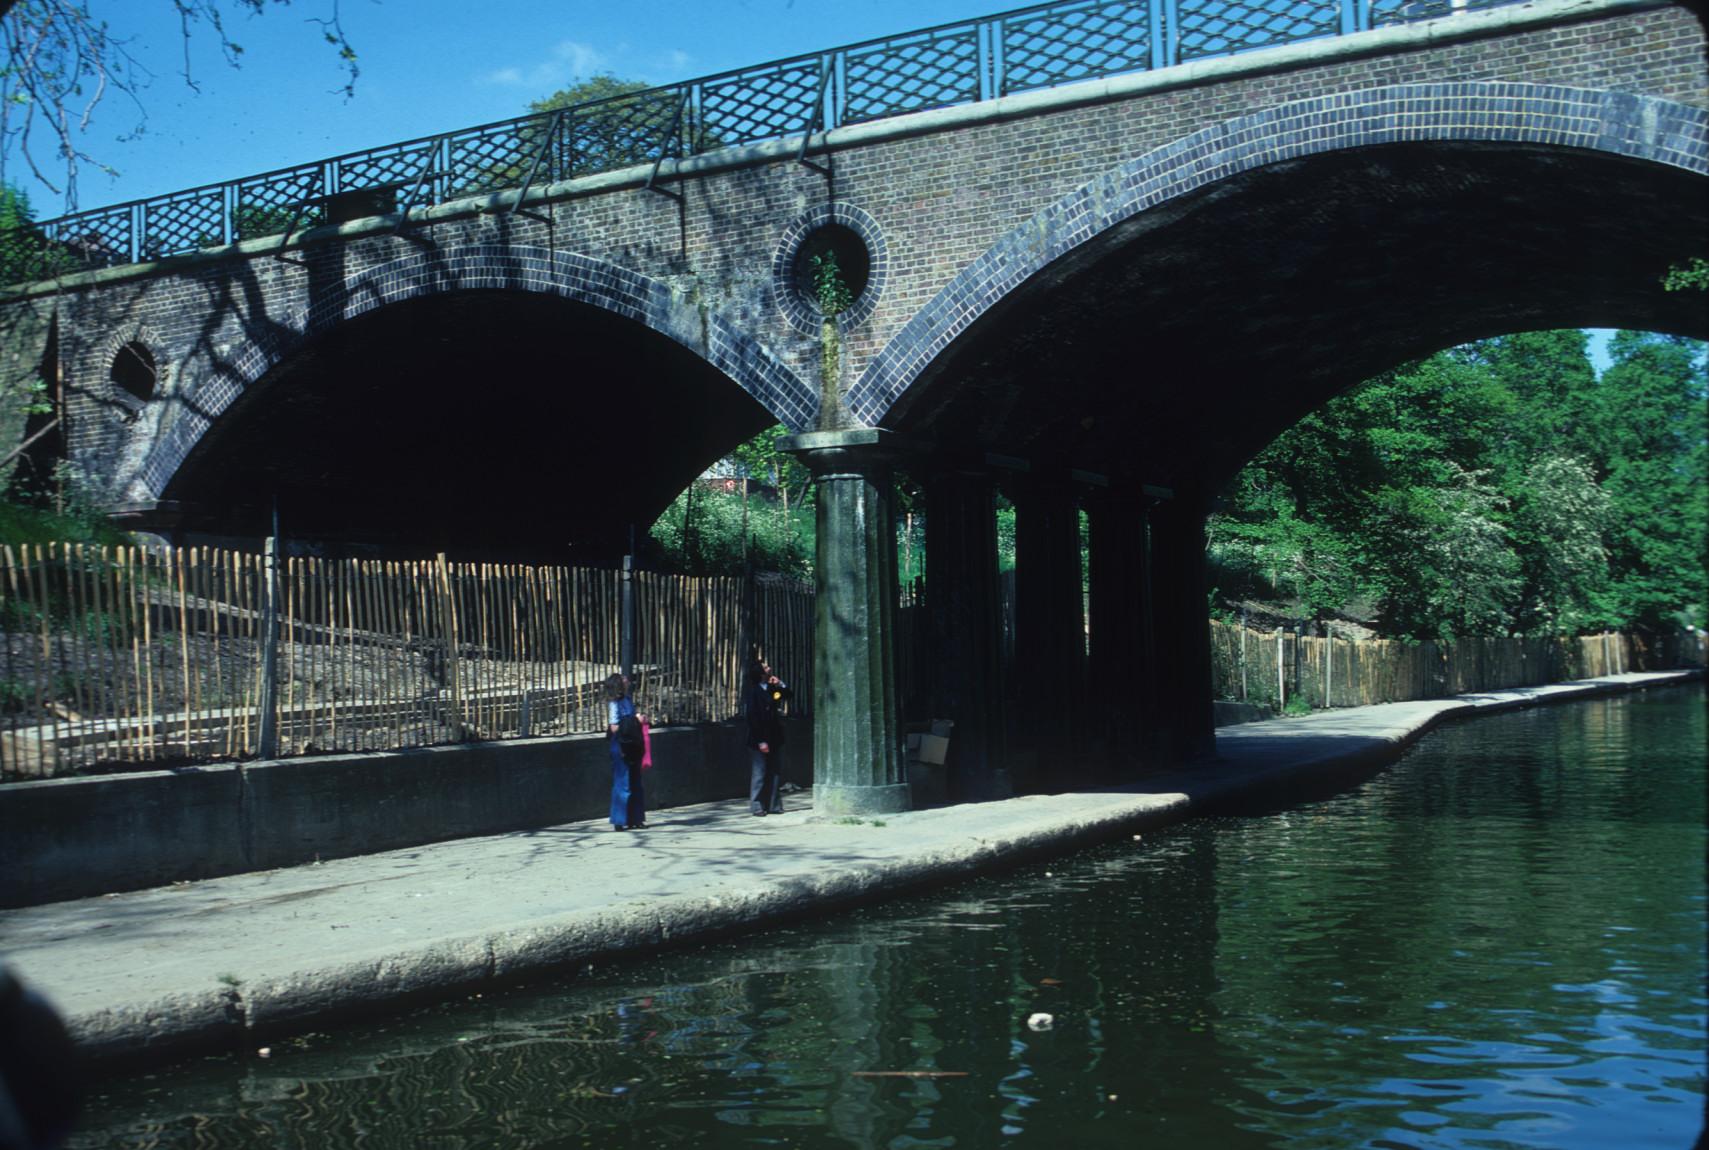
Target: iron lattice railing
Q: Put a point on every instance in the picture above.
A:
(1019, 51)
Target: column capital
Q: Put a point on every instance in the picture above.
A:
(855, 448)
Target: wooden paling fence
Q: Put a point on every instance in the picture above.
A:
(1274, 667)
(116, 656)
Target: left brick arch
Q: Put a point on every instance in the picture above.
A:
(488, 267)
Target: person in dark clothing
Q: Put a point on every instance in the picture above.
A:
(766, 694)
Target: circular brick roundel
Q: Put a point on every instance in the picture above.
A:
(797, 306)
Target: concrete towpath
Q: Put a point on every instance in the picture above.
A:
(154, 973)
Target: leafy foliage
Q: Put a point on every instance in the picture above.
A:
(77, 518)
(25, 253)
(629, 123)
(764, 518)
(252, 221)
(830, 289)
(701, 533)
(1693, 275)
(1496, 488)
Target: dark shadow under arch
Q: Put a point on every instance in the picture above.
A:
(1169, 318)
(519, 271)
(471, 412)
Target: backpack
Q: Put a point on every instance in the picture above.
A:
(631, 744)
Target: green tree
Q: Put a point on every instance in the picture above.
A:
(1481, 490)
(1546, 377)
(765, 521)
(1449, 570)
(703, 533)
(20, 241)
(1651, 427)
(1560, 519)
(614, 123)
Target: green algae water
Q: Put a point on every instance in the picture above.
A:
(1497, 942)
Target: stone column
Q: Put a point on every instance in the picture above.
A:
(858, 767)
(1119, 689)
(964, 665)
(1050, 637)
(1182, 616)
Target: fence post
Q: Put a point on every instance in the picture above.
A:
(1243, 654)
(626, 617)
(448, 624)
(1328, 667)
(267, 736)
(1299, 662)
(748, 648)
(1281, 673)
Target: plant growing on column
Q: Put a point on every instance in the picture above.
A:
(831, 292)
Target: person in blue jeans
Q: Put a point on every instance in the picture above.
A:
(628, 797)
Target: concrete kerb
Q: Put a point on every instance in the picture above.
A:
(912, 851)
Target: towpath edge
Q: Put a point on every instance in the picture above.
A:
(228, 961)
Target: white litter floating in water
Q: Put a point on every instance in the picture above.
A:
(1041, 1021)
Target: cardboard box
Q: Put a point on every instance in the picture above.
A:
(933, 748)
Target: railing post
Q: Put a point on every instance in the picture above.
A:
(831, 91)
(267, 737)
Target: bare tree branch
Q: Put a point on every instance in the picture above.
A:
(62, 60)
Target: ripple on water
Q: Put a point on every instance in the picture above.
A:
(1497, 943)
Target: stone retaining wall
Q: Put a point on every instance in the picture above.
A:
(74, 838)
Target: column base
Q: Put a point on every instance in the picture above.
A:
(832, 801)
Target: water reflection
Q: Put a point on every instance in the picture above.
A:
(1497, 943)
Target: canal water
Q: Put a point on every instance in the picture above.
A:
(1497, 942)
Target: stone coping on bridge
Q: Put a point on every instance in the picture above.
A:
(1467, 25)
(232, 962)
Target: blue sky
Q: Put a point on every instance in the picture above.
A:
(427, 66)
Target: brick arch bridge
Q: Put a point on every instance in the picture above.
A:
(576, 357)
(1070, 292)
